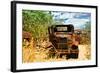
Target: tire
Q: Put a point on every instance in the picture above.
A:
(68, 56)
(74, 55)
(52, 54)
(61, 55)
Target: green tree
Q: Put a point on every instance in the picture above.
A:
(88, 26)
(36, 22)
(86, 36)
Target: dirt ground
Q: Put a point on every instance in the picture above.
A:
(84, 52)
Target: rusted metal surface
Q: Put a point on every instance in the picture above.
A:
(64, 42)
(27, 35)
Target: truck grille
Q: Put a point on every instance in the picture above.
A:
(62, 40)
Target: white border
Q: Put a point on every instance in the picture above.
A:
(21, 66)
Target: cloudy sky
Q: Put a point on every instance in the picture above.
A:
(78, 19)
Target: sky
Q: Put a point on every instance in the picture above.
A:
(78, 19)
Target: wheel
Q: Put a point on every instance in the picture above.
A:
(74, 55)
(75, 50)
(61, 55)
(52, 53)
(68, 56)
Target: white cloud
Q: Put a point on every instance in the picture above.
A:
(56, 13)
(76, 22)
(67, 15)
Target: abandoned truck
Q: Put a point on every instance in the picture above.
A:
(64, 41)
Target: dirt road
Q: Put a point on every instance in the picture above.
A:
(84, 52)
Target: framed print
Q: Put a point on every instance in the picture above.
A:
(47, 36)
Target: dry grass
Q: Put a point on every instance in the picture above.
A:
(33, 53)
